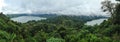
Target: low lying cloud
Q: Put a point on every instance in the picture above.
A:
(68, 7)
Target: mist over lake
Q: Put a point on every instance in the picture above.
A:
(94, 22)
(24, 19)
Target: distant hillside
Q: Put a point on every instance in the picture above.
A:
(38, 15)
(52, 16)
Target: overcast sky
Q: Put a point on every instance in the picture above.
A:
(71, 7)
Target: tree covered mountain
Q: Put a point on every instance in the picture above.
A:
(58, 29)
(61, 29)
(84, 18)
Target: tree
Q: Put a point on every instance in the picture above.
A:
(117, 14)
(6, 36)
(108, 6)
(113, 9)
(117, 0)
(55, 40)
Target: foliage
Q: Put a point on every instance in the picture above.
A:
(60, 29)
(55, 40)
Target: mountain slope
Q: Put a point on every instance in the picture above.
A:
(8, 25)
(57, 29)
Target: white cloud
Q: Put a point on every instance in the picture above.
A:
(2, 4)
(76, 7)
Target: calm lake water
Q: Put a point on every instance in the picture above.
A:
(94, 22)
(24, 19)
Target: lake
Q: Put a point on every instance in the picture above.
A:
(24, 19)
(94, 22)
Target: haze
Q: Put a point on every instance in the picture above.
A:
(68, 7)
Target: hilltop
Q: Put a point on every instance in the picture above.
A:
(59, 29)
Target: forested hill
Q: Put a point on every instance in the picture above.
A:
(58, 29)
(84, 18)
(9, 26)
(63, 28)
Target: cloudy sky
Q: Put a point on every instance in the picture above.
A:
(69, 7)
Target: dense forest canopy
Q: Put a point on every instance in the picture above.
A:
(62, 29)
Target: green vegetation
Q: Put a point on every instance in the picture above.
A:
(61, 29)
